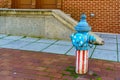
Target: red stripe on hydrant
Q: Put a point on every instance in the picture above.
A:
(81, 61)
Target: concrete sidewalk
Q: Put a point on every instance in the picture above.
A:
(110, 51)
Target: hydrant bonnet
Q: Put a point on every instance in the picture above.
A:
(83, 26)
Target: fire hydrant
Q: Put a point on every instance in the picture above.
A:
(82, 40)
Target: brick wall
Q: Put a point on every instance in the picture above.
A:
(107, 13)
(5, 3)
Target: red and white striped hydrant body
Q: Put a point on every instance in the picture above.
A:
(81, 41)
(81, 61)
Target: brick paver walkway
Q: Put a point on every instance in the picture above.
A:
(27, 65)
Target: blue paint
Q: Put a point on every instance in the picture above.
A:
(83, 26)
(81, 39)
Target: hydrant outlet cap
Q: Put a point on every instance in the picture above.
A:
(83, 25)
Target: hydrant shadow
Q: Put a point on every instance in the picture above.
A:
(90, 75)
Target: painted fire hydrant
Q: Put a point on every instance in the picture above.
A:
(82, 40)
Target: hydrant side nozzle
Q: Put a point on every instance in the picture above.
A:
(92, 39)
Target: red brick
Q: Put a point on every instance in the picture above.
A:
(41, 68)
(67, 78)
(52, 70)
(43, 78)
(106, 16)
(6, 78)
(4, 73)
(10, 71)
(18, 79)
(42, 73)
(109, 65)
(56, 75)
(107, 78)
(96, 69)
(82, 78)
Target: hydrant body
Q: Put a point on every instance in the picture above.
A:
(81, 41)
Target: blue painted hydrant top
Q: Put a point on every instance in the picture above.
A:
(81, 39)
(83, 26)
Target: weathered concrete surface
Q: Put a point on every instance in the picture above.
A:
(38, 23)
(70, 23)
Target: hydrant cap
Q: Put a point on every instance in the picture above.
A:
(82, 25)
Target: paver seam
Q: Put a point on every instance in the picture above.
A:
(49, 45)
(62, 44)
(9, 39)
(93, 51)
(44, 42)
(117, 49)
(53, 42)
(8, 43)
(32, 38)
(68, 50)
(105, 49)
(2, 37)
(29, 43)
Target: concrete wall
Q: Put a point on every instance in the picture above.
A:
(53, 24)
(54, 29)
(32, 23)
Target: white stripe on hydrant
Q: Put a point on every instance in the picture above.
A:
(81, 61)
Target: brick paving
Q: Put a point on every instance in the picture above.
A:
(28, 65)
